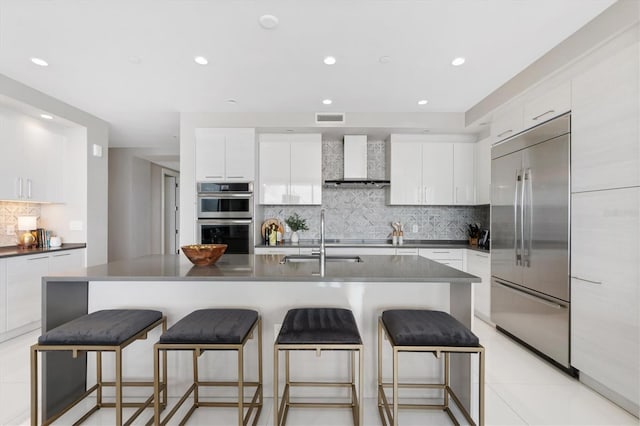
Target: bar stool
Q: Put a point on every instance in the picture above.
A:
(425, 331)
(219, 330)
(101, 331)
(318, 329)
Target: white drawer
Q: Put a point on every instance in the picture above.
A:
(277, 250)
(442, 254)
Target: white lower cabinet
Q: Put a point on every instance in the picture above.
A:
(286, 251)
(449, 257)
(605, 329)
(480, 264)
(21, 286)
(24, 281)
(360, 251)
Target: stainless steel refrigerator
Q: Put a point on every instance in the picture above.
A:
(530, 295)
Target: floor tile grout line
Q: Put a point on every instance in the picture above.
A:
(507, 404)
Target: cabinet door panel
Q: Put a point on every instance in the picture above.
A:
(406, 173)
(437, 173)
(464, 174)
(605, 152)
(10, 157)
(210, 155)
(605, 332)
(275, 173)
(552, 104)
(507, 123)
(483, 171)
(480, 264)
(306, 172)
(240, 156)
(66, 261)
(24, 276)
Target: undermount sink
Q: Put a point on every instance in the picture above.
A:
(316, 258)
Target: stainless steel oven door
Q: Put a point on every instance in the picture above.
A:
(225, 205)
(237, 234)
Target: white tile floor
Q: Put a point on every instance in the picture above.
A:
(521, 389)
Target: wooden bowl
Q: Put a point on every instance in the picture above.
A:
(204, 254)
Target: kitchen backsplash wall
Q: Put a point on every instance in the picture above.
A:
(363, 214)
(9, 213)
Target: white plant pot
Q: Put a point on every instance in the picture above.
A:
(294, 237)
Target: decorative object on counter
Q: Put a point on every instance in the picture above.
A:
(267, 227)
(27, 224)
(296, 223)
(473, 232)
(273, 232)
(397, 236)
(204, 254)
(55, 242)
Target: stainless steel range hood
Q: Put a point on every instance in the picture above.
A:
(355, 166)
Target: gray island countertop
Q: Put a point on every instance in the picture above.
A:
(241, 267)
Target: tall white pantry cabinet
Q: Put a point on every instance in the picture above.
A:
(605, 222)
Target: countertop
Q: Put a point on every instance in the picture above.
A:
(248, 267)
(12, 251)
(452, 244)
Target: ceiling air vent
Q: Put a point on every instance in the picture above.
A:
(329, 118)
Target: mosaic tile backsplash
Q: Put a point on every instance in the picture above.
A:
(363, 213)
(9, 213)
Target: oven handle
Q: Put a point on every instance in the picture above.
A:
(224, 221)
(225, 195)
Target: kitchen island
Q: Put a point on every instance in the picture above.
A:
(173, 285)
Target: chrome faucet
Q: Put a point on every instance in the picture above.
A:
(323, 252)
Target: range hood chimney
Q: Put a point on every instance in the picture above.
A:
(355, 166)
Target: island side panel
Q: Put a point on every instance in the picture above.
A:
(272, 299)
(461, 308)
(63, 377)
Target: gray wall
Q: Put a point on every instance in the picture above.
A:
(363, 213)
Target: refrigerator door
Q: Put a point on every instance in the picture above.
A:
(545, 255)
(540, 322)
(506, 217)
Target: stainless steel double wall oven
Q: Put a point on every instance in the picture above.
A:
(225, 215)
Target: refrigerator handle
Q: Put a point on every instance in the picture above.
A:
(528, 212)
(516, 217)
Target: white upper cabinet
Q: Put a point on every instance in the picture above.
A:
(483, 171)
(437, 173)
(507, 123)
(605, 152)
(553, 103)
(291, 169)
(464, 185)
(405, 171)
(430, 172)
(225, 154)
(30, 157)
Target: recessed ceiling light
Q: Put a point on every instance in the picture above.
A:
(46, 116)
(40, 62)
(423, 102)
(458, 61)
(327, 101)
(330, 60)
(384, 59)
(232, 101)
(201, 60)
(268, 22)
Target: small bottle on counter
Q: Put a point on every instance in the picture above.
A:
(394, 238)
(400, 238)
(273, 235)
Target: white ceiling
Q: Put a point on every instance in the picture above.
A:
(130, 62)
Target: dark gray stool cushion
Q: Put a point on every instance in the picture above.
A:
(110, 327)
(212, 326)
(319, 326)
(410, 327)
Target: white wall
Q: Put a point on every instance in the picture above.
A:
(97, 132)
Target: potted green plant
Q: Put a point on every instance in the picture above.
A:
(296, 223)
(473, 231)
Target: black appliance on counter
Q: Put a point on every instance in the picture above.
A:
(225, 215)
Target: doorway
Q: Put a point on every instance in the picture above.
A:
(170, 212)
